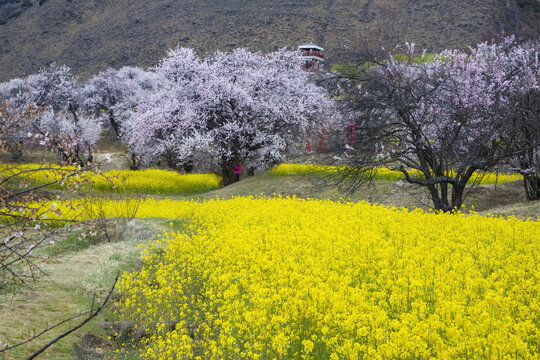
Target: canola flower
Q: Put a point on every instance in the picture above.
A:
(274, 278)
(157, 181)
(381, 173)
(148, 181)
(81, 210)
(45, 172)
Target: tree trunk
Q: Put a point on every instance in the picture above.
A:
(444, 197)
(437, 204)
(114, 124)
(134, 163)
(171, 163)
(457, 196)
(440, 199)
(532, 186)
(188, 167)
(90, 157)
(228, 175)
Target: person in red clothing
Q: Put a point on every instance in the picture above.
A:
(237, 171)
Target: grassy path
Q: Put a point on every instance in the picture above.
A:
(68, 290)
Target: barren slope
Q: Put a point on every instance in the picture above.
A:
(90, 35)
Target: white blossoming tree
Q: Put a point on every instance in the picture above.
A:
(242, 107)
(114, 94)
(56, 97)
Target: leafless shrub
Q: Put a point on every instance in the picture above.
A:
(111, 218)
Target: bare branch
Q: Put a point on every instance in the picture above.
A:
(92, 314)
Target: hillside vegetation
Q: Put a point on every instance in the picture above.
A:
(134, 32)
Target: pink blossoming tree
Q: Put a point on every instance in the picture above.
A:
(444, 120)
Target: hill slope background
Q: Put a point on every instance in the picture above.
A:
(91, 35)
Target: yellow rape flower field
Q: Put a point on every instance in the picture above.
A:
(381, 173)
(147, 181)
(167, 182)
(157, 181)
(289, 278)
(286, 278)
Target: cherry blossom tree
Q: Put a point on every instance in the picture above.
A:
(24, 205)
(242, 107)
(57, 97)
(114, 94)
(14, 131)
(441, 122)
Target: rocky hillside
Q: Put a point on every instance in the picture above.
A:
(90, 35)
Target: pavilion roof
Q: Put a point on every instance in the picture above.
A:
(310, 46)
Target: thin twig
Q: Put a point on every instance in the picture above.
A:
(43, 332)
